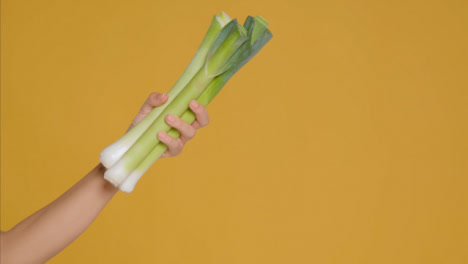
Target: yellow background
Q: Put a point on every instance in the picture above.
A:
(343, 141)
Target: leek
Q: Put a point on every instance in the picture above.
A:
(258, 35)
(226, 47)
(229, 39)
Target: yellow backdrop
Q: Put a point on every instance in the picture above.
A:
(343, 141)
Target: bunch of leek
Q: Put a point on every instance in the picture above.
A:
(226, 47)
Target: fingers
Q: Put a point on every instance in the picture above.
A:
(187, 131)
(154, 99)
(201, 114)
(174, 146)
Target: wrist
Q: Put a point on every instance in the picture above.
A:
(98, 172)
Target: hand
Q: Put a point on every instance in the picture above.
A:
(187, 131)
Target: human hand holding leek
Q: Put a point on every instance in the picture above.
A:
(187, 131)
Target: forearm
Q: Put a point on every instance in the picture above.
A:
(48, 231)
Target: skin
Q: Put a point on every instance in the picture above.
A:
(51, 229)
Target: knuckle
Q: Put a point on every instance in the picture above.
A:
(172, 142)
(191, 133)
(173, 122)
(198, 110)
(176, 150)
(153, 95)
(143, 112)
(203, 111)
(180, 144)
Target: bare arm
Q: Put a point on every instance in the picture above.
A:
(48, 231)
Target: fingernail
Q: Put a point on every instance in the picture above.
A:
(194, 104)
(170, 118)
(162, 135)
